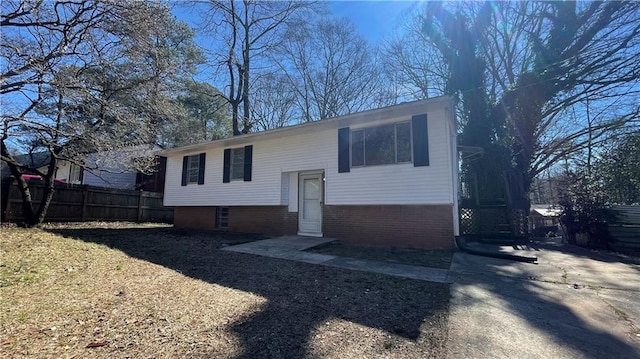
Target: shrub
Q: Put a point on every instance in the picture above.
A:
(585, 216)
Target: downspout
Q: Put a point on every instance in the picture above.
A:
(455, 164)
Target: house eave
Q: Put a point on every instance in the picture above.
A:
(358, 118)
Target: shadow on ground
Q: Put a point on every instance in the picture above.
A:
(300, 296)
(575, 303)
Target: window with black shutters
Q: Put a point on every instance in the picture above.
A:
(237, 164)
(193, 169)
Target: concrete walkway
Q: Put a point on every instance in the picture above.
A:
(292, 247)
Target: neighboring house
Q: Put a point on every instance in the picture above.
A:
(113, 169)
(379, 177)
(110, 169)
(103, 169)
(544, 218)
(65, 171)
(69, 172)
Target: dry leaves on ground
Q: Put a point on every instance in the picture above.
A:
(147, 291)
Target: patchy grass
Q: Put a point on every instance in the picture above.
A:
(416, 257)
(114, 290)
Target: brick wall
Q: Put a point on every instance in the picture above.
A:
(271, 220)
(410, 226)
(195, 217)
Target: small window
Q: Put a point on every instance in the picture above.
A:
(75, 174)
(237, 164)
(222, 220)
(381, 145)
(193, 168)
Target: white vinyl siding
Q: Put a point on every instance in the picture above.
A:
(284, 189)
(317, 149)
(126, 180)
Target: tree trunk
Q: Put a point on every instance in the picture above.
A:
(48, 191)
(246, 62)
(31, 217)
(47, 197)
(234, 117)
(28, 213)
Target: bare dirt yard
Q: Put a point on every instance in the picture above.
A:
(416, 257)
(130, 291)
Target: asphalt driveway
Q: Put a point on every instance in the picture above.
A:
(574, 303)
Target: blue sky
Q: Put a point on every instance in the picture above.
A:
(373, 19)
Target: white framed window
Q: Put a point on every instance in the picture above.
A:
(193, 168)
(381, 145)
(237, 164)
(75, 174)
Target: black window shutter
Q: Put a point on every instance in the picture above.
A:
(343, 150)
(420, 140)
(248, 158)
(185, 163)
(201, 168)
(226, 170)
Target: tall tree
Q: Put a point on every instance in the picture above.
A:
(617, 170)
(331, 67)
(519, 69)
(412, 63)
(274, 104)
(202, 115)
(84, 76)
(249, 30)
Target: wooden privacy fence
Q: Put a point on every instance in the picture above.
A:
(73, 203)
(625, 230)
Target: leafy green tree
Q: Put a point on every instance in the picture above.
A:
(617, 170)
(203, 115)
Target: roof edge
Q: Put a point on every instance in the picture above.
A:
(273, 132)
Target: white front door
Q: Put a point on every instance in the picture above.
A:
(310, 204)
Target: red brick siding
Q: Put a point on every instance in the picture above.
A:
(410, 226)
(271, 220)
(195, 217)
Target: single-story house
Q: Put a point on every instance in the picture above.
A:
(381, 177)
(108, 169)
(113, 169)
(544, 218)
